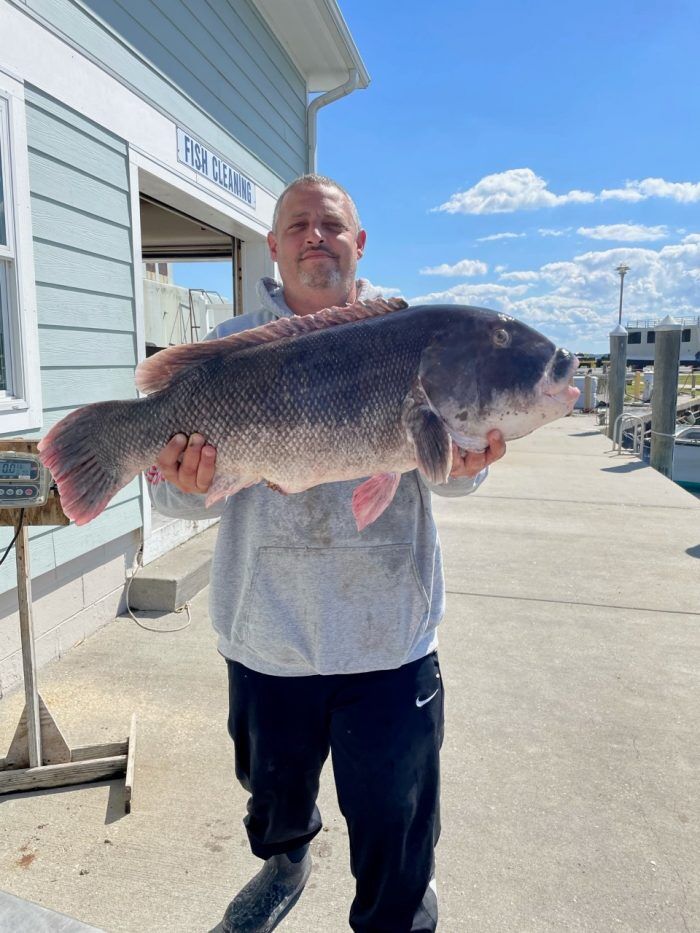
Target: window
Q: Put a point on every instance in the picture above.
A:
(651, 336)
(634, 336)
(685, 335)
(20, 384)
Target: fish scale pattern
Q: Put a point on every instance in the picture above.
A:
(330, 400)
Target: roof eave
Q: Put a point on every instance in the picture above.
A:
(322, 49)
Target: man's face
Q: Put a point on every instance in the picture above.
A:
(316, 244)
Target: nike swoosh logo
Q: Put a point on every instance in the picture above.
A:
(420, 702)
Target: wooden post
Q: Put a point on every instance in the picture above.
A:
(39, 756)
(664, 405)
(26, 628)
(616, 376)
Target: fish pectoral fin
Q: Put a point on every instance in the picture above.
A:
(372, 497)
(431, 440)
(223, 486)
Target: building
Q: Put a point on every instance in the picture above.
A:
(133, 132)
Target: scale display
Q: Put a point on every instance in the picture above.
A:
(24, 481)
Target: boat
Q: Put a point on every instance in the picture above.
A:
(686, 457)
(641, 339)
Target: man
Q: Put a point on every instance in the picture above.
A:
(329, 635)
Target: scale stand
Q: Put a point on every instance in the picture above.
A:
(39, 756)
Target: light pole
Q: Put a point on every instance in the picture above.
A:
(618, 361)
(622, 271)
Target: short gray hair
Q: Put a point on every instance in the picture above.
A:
(320, 181)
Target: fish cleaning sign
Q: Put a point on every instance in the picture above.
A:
(203, 160)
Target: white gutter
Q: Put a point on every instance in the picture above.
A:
(322, 100)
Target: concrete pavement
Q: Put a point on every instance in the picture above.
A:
(570, 654)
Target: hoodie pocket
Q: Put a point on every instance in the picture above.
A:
(339, 610)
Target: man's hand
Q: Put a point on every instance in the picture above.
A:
(469, 463)
(188, 464)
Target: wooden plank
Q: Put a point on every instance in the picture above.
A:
(130, 765)
(59, 265)
(62, 346)
(50, 513)
(69, 227)
(105, 750)
(37, 99)
(24, 599)
(78, 772)
(60, 305)
(67, 144)
(54, 180)
(54, 748)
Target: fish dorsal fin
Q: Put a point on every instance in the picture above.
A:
(159, 370)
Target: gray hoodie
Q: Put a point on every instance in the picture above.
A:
(296, 589)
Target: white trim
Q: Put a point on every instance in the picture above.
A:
(22, 411)
(317, 40)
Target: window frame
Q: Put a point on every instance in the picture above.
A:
(20, 403)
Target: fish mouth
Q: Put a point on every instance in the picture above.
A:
(555, 382)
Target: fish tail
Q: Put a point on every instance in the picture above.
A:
(87, 455)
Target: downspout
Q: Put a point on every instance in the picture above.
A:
(336, 93)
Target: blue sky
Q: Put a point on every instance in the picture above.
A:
(511, 155)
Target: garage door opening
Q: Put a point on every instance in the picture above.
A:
(192, 276)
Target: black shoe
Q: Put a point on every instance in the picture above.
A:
(268, 897)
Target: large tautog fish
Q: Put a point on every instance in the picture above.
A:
(374, 389)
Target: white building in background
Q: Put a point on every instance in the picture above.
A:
(133, 133)
(641, 341)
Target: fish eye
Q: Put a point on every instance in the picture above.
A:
(501, 338)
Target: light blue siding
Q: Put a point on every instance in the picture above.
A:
(79, 183)
(213, 66)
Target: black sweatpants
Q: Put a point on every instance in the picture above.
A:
(384, 730)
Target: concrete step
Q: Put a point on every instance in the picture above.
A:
(170, 581)
(22, 916)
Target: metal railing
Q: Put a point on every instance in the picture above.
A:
(623, 422)
(648, 323)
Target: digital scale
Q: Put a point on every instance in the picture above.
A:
(39, 755)
(24, 480)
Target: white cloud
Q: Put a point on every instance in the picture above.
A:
(685, 192)
(523, 276)
(387, 292)
(575, 301)
(521, 189)
(513, 190)
(499, 236)
(465, 267)
(626, 233)
(468, 294)
(547, 231)
(621, 194)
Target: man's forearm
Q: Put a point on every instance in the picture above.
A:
(171, 501)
